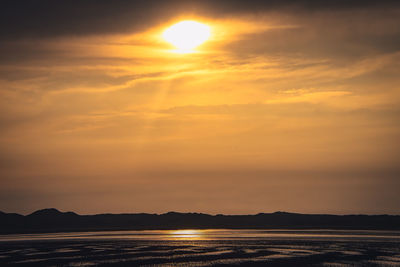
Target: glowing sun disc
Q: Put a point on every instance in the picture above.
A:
(187, 35)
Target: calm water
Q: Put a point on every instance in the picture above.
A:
(203, 248)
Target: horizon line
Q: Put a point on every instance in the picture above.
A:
(202, 213)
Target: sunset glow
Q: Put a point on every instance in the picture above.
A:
(217, 107)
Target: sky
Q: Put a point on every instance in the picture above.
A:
(289, 106)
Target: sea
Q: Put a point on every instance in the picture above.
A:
(190, 247)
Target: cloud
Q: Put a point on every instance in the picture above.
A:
(292, 96)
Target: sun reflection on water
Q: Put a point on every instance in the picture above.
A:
(186, 234)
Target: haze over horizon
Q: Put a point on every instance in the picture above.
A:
(56, 211)
(288, 106)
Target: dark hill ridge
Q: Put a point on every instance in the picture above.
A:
(51, 212)
(53, 220)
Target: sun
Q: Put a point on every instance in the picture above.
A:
(187, 35)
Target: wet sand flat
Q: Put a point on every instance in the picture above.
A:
(203, 248)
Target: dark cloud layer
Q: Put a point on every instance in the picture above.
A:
(47, 18)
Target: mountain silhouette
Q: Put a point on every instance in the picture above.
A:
(53, 220)
(51, 212)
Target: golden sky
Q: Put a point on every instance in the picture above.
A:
(291, 107)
